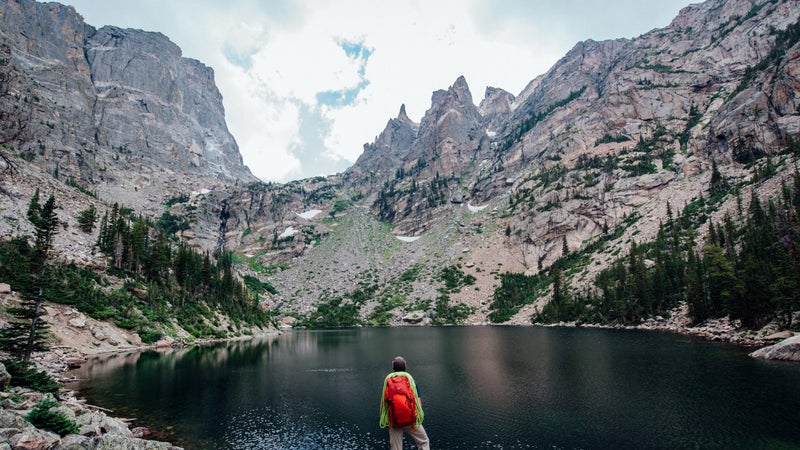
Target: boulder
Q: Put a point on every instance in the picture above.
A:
(166, 341)
(414, 317)
(5, 377)
(33, 439)
(5, 288)
(74, 442)
(117, 442)
(9, 420)
(140, 432)
(78, 322)
(780, 335)
(96, 424)
(786, 350)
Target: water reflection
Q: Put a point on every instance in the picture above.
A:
(483, 387)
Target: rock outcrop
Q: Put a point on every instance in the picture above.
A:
(118, 112)
(786, 350)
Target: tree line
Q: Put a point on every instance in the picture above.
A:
(161, 280)
(748, 268)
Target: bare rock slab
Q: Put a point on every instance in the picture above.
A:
(786, 350)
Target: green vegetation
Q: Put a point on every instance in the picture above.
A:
(454, 278)
(435, 193)
(608, 138)
(746, 270)
(71, 182)
(515, 291)
(42, 417)
(161, 281)
(258, 286)
(446, 313)
(172, 224)
(382, 313)
(25, 332)
(87, 219)
(183, 198)
(694, 118)
(24, 374)
(343, 311)
(334, 313)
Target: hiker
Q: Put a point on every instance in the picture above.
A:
(401, 407)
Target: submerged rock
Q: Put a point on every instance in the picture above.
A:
(786, 350)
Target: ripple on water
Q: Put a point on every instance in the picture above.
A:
(269, 429)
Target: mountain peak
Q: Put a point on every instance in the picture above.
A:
(461, 90)
(402, 116)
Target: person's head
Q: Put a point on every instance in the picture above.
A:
(399, 364)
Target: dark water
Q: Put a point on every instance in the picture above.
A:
(483, 388)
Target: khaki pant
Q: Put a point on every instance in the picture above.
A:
(419, 435)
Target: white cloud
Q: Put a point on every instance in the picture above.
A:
(273, 59)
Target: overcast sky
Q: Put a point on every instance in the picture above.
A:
(307, 82)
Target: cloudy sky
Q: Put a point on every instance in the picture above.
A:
(307, 82)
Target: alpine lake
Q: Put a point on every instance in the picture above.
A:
(483, 387)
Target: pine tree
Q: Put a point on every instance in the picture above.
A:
(719, 185)
(87, 218)
(25, 333)
(699, 309)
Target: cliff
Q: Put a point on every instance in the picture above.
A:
(118, 112)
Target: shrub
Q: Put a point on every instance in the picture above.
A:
(23, 374)
(150, 336)
(55, 421)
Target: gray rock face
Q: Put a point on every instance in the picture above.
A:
(389, 151)
(685, 80)
(786, 350)
(495, 108)
(449, 142)
(118, 110)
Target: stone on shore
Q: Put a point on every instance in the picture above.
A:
(5, 377)
(414, 317)
(18, 433)
(786, 350)
(118, 442)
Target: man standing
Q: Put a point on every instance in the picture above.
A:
(401, 407)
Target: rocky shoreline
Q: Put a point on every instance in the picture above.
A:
(769, 341)
(76, 337)
(96, 429)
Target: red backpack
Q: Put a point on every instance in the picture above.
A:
(401, 402)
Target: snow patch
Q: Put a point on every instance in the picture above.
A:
(310, 214)
(491, 134)
(476, 208)
(407, 238)
(289, 232)
(200, 192)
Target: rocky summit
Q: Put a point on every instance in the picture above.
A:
(617, 138)
(118, 112)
